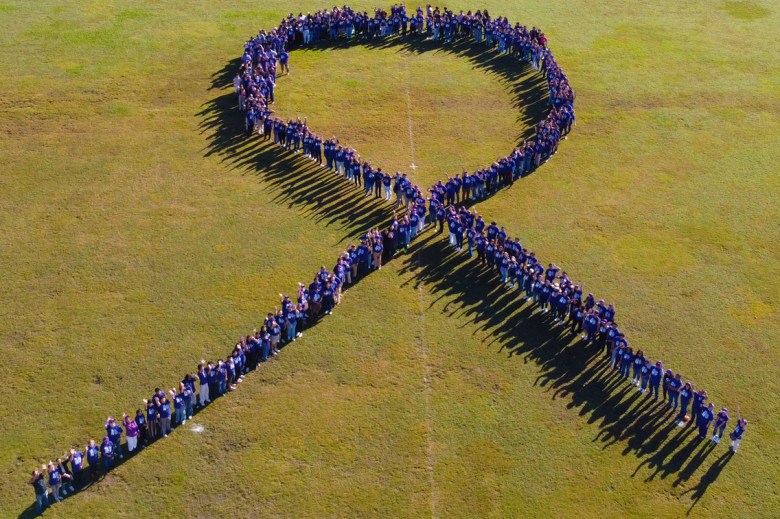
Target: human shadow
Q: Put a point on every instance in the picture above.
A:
(707, 479)
(322, 195)
(296, 181)
(527, 86)
(570, 368)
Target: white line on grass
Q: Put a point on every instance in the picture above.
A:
(427, 390)
(409, 109)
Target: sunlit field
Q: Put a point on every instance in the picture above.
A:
(141, 231)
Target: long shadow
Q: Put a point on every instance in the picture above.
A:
(527, 85)
(324, 196)
(328, 199)
(707, 479)
(569, 368)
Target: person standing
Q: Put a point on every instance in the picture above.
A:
(686, 393)
(737, 433)
(55, 481)
(164, 410)
(656, 372)
(668, 376)
(107, 453)
(114, 432)
(720, 425)
(38, 481)
(203, 379)
(699, 398)
(704, 419)
(131, 432)
(673, 386)
(143, 431)
(77, 467)
(93, 456)
(151, 418)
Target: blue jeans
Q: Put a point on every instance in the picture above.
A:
(41, 500)
(179, 415)
(221, 386)
(291, 331)
(654, 385)
(683, 409)
(674, 397)
(644, 383)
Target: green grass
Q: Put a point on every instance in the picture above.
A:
(140, 235)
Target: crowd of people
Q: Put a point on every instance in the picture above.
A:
(445, 204)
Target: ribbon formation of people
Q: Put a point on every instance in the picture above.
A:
(444, 204)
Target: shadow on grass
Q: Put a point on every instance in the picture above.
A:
(570, 369)
(527, 85)
(322, 195)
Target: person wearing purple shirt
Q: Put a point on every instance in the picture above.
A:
(164, 410)
(152, 416)
(737, 433)
(114, 431)
(704, 419)
(656, 372)
(76, 459)
(686, 394)
(131, 432)
(720, 425)
(673, 386)
(178, 406)
(107, 453)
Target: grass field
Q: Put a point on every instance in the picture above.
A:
(139, 233)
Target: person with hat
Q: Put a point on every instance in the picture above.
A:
(704, 419)
(737, 433)
(720, 425)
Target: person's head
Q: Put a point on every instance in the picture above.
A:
(711, 406)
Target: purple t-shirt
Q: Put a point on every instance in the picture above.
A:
(131, 429)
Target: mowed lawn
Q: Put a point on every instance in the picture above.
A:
(140, 233)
